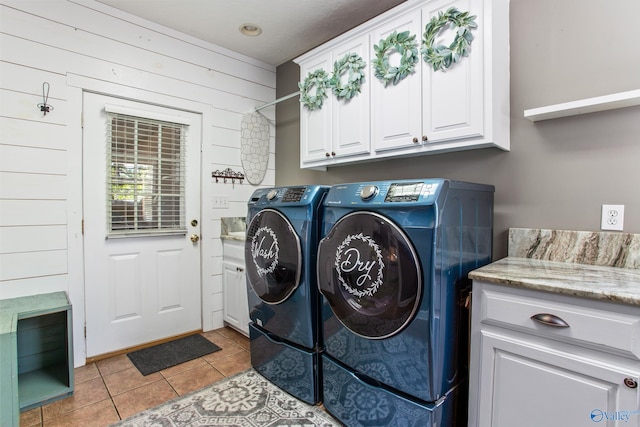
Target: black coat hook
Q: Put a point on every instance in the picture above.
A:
(44, 107)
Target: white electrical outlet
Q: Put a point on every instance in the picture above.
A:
(612, 217)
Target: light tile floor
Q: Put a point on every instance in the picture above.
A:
(113, 389)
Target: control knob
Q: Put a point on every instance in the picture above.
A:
(368, 192)
(272, 194)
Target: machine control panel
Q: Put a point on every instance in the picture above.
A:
(387, 192)
(293, 194)
(404, 192)
(369, 192)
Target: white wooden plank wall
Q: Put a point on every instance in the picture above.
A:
(48, 41)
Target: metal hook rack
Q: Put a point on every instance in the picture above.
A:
(228, 173)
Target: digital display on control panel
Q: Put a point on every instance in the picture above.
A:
(293, 194)
(404, 192)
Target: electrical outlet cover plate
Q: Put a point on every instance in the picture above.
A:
(219, 202)
(612, 217)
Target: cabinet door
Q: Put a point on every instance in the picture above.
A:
(315, 126)
(452, 102)
(396, 112)
(351, 122)
(530, 384)
(236, 305)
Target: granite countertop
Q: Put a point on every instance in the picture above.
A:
(233, 228)
(597, 265)
(614, 284)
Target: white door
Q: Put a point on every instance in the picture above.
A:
(315, 139)
(236, 304)
(351, 121)
(452, 105)
(141, 197)
(395, 109)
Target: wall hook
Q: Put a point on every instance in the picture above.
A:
(44, 107)
(228, 173)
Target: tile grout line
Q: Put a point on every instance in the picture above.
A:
(231, 337)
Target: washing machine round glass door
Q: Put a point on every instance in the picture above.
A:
(370, 274)
(273, 256)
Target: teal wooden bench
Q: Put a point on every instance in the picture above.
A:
(36, 353)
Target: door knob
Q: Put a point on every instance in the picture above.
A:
(195, 238)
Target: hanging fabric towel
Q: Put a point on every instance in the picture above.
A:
(254, 146)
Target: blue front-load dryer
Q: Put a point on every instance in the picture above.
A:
(284, 303)
(392, 269)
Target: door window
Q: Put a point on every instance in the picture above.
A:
(145, 176)
(273, 256)
(370, 274)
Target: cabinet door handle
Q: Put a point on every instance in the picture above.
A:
(550, 320)
(239, 269)
(415, 140)
(630, 382)
(424, 138)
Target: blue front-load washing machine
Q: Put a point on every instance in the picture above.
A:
(392, 269)
(284, 302)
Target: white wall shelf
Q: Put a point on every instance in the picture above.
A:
(589, 105)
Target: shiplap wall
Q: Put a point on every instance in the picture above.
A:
(85, 45)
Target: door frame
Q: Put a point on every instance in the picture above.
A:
(77, 85)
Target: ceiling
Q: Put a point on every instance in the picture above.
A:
(289, 27)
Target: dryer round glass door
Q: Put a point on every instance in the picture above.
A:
(273, 256)
(370, 274)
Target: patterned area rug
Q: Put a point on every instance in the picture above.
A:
(246, 399)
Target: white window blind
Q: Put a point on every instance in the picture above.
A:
(145, 176)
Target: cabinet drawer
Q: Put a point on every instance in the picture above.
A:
(587, 326)
(233, 251)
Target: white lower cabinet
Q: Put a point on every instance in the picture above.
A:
(236, 305)
(526, 373)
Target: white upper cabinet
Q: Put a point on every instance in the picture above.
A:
(340, 128)
(351, 130)
(315, 125)
(452, 106)
(395, 108)
(459, 107)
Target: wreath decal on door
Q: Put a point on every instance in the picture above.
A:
(354, 65)
(441, 57)
(404, 43)
(318, 80)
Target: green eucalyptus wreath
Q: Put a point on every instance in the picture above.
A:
(404, 43)
(318, 80)
(441, 57)
(354, 65)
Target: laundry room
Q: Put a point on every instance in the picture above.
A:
(416, 212)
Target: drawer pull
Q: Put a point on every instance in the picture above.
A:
(239, 269)
(550, 320)
(630, 382)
